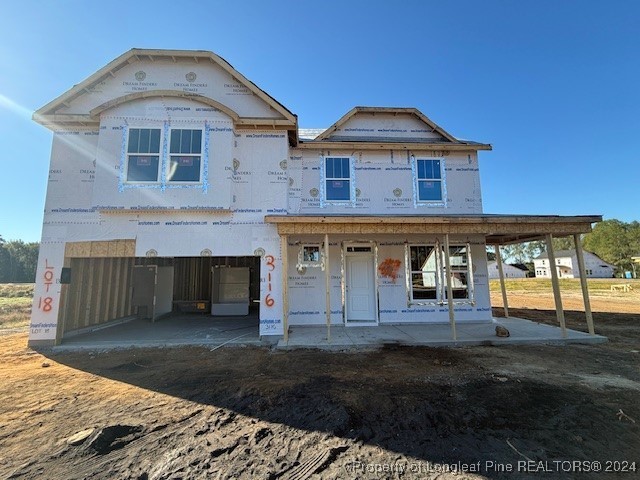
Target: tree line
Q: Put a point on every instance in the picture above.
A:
(612, 240)
(18, 261)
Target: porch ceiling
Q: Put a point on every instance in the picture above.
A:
(497, 229)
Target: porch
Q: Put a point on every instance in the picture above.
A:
(434, 335)
(497, 230)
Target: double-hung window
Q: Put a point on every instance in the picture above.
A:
(429, 180)
(427, 277)
(459, 261)
(424, 272)
(143, 155)
(185, 155)
(338, 179)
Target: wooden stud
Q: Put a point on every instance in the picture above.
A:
(127, 291)
(98, 313)
(108, 297)
(503, 287)
(72, 299)
(116, 291)
(583, 284)
(447, 264)
(555, 284)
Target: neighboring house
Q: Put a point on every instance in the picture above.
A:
(567, 265)
(167, 165)
(510, 270)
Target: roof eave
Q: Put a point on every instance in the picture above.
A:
(459, 146)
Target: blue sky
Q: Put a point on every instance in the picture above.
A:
(554, 86)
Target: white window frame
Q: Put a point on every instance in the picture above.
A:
(303, 263)
(438, 274)
(200, 155)
(158, 179)
(441, 285)
(416, 181)
(325, 179)
(468, 270)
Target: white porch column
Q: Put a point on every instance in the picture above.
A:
(284, 253)
(327, 277)
(554, 283)
(583, 283)
(447, 264)
(503, 287)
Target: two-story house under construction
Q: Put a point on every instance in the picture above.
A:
(169, 166)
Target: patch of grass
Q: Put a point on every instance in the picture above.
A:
(13, 290)
(15, 312)
(15, 304)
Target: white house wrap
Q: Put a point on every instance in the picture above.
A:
(174, 162)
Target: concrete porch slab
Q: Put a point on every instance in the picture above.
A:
(435, 335)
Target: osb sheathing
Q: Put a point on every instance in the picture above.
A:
(507, 229)
(101, 249)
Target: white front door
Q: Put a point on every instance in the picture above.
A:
(360, 285)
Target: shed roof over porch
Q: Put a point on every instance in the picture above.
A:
(497, 229)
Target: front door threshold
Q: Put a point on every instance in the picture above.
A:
(361, 323)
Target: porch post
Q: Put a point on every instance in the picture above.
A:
(503, 287)
(327, 276)
(555, 284)
(284, 253)
(447, 264)
(583, 283)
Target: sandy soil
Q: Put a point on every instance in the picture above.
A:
(394, 413)
(614, 302)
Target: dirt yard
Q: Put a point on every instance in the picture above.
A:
(394, 413)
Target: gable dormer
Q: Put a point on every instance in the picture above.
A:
(375, 127)
(385, 160)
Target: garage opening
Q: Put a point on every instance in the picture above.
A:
(204, 283)
(105, 291)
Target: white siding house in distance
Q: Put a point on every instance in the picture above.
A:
(510, 271)
(567, 265)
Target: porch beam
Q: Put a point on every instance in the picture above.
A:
(503, 287)
(327, 275)
(554, 283)
(583, 284)
(447, 264)
(284, 253)
(501, 230)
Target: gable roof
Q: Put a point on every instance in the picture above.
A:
(569, 253)
(558, 254)
(47, 115)
(519, 266)
(448, 139)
